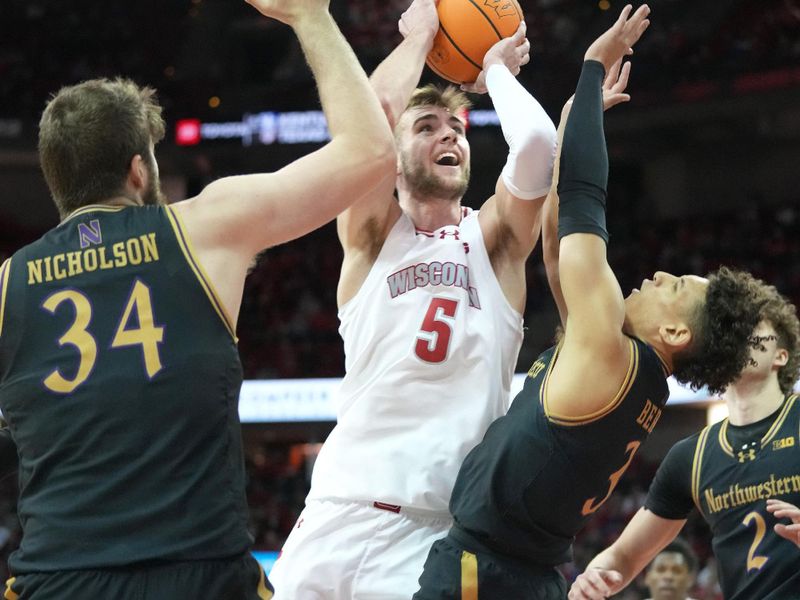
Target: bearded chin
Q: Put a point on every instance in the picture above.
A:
(426, 184)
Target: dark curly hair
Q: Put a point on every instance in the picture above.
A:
(722, 328)
(782, 315)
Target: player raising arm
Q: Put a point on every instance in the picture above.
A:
(430, 301)
(588, 403)
(119, 372)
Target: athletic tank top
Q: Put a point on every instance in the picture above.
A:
(430, 344)
(119, 378)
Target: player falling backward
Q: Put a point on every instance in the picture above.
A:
(430, 299)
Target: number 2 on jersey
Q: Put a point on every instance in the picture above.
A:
(754, 561)
(433, 340)
(146, 334)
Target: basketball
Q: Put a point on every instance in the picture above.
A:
(467, 29)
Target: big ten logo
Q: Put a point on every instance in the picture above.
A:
(649, 416)
(503, 8)
(784, 443)
(536, 369)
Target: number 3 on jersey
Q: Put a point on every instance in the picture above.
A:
(433, 340)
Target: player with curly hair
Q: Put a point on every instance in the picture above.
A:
(589, 402)
(741, 473)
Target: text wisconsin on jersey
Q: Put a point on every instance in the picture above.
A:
(434, 273)
(133, 251)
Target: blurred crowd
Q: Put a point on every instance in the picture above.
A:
(189, 49)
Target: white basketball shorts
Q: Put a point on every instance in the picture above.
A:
(355, 551)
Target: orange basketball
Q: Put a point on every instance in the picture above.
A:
(467, 29)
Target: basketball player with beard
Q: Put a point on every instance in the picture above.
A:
(430, 299)
(119, 371)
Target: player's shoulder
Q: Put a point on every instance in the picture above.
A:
(683, 451)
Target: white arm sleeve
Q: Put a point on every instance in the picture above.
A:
(529, 132)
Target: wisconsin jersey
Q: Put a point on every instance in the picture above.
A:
(730, 487)
(119, 378)
(430, 343)
(536, 478)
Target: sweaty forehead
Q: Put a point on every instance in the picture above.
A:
(430, 112)
(696, 285)
(697, 279)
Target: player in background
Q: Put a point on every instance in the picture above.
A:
(588, 403)
(742, 475)
(431, 297)
(672, 573)
(119, 371)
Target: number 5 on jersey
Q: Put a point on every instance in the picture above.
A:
(433, 340)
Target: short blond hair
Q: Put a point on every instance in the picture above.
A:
(449, 97)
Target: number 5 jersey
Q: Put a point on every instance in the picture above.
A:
(430, 343)
(119, 378)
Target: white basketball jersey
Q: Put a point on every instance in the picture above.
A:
(430, 347)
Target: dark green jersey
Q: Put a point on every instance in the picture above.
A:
(535, 479)
(730, 485)
(119, 379)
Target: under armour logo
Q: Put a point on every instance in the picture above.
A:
(749, 455)
(443, 234)
(746, 454)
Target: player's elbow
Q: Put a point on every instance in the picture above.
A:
(538, 138)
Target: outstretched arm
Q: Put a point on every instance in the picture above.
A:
(511, 219)
(594, 344)
(363, 227)
(234, 218)
(614, 568)
(613, 93)
(398, 75)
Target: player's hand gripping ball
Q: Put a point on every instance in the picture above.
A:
(467, 29)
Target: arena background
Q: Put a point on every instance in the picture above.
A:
(704, 171)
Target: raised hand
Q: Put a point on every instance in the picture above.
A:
(513, 52)
(420, 17)
(595, 584)
(615, 83)
(290, 11)
(784, 510)
(619, 40)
